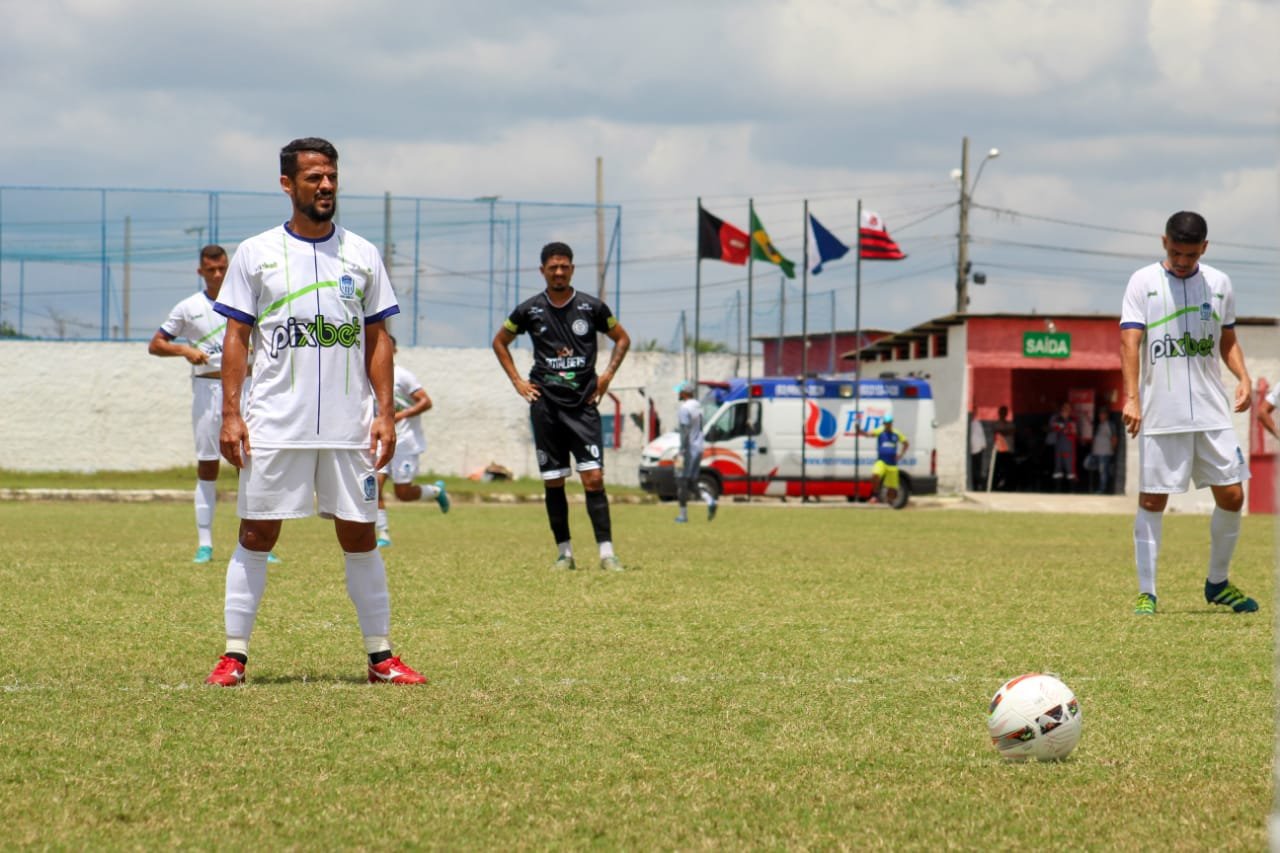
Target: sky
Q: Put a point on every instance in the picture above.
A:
(1108, 117)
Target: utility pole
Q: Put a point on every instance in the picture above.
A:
(966, 198)
(601, 270)
(962, 249)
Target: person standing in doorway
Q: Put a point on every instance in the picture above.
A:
(977, 449)
(1178, 318)
(563, 391)
(1003, 434)
(1103, 450)
(1062, 438)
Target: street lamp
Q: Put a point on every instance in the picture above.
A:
(966, 196)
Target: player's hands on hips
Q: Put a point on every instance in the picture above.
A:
(602, 386)
(527, 389)
(1244, 395)
(382, 440)
(233, 440)
(1131, 415)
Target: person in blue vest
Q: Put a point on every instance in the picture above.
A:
(890, 447)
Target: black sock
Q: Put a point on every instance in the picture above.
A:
(378, 657)
(244, 659)
(558, 513)
(598, 510)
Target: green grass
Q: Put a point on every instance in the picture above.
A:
(183, 477)
(787, 677)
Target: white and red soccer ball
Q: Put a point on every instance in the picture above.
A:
(1034, 716)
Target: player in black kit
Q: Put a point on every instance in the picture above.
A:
(563, 390)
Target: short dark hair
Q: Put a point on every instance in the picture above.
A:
(289, 153)
(1186, 227)
(552, 249)
(213, 252)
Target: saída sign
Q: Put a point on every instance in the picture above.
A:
(1046, 344)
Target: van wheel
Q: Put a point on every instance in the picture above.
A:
(904, 492)
(709, 485)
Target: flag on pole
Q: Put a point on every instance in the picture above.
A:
(828, 246)
(720, 241)
(762, 248)
(875, 240)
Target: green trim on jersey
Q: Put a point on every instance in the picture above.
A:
(1176, 314)
(310, 288)
(211, 334)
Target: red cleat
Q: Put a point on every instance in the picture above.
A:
(394, 671)
(228, 673)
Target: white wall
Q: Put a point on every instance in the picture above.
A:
(111, 406)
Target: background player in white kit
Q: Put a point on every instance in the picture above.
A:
(1178, 318)
(411, 402)
(194, 320)
(689, 423)
(314, 298)
(1266, 410)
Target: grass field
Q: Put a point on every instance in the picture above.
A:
(787, 677)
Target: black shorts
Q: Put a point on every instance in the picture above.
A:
(558, 432)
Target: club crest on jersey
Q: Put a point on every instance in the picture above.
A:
(580, 327)
(347, 287)
(317, 333)
(1206, 311)
(369, 485)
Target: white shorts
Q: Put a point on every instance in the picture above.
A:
(206, 417)
(1170, 461)
(296, 482)
(404, 467)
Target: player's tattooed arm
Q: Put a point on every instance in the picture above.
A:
(621, 343)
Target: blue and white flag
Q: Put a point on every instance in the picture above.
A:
(829, 248)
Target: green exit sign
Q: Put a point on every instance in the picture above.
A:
(1046, 344)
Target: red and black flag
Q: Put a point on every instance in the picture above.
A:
(720, 241)
(875, 242)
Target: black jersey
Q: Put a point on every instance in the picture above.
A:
(564, 344)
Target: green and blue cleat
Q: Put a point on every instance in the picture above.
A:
(1228, 594)
(204, 554)
(564, 563)
(1146, 604)
(442, 497)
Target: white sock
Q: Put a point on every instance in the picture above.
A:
(206, 497)
(606, 549)
(1224, 530)
(246, 581)
(382, 519)
(429, 493)
(565, 548)
(1147, 529)
(367, 587)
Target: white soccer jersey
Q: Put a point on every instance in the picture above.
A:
(1181, 384)
(194, 319)
(309, 302)
(690, 415)
(409, 438)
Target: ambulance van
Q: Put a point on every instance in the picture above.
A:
(783, 438)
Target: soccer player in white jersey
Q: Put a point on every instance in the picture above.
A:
(313, 297)
(411, 402)
(1266, 410)
(194, 321)
(689, 422)
(1178, 318)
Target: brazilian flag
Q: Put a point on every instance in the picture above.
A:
(762, 248)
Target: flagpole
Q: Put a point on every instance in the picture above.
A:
(751, 266)
(857, 343)
(697, 300)
(804, 356)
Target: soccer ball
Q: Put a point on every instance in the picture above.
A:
(1034, 716)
